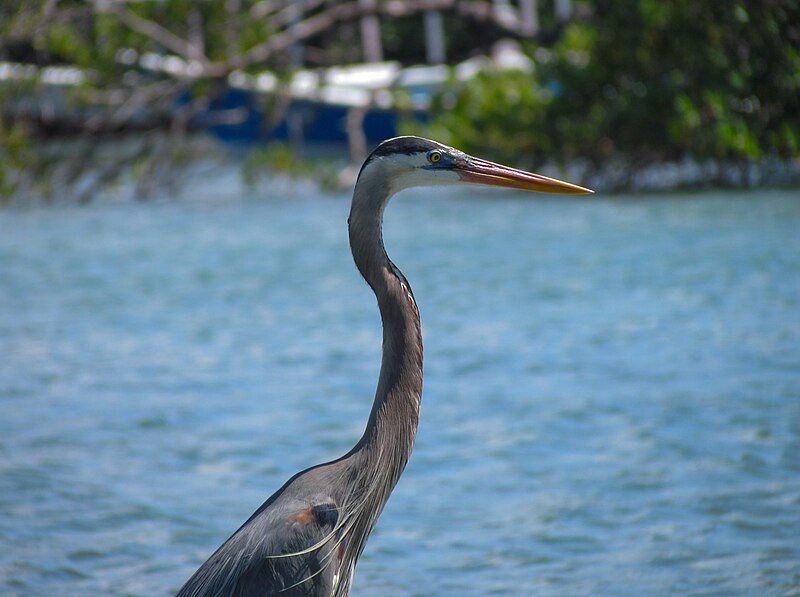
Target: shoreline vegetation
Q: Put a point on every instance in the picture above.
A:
(640, 96)
(620, 174)
(138, 168)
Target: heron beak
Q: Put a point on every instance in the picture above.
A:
(474, 170)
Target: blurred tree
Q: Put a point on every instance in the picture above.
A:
(644, 78)
(149, 66)
(648, 79)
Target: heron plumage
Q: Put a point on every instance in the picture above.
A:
(306, 539)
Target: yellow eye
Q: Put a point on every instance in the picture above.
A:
(434, 157)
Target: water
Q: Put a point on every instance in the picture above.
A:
(611, 404)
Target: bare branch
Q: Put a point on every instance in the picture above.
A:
(145, 95)
(196, 31)
(46, 14)
(260, 10)
(287, 15)
(480, 10)
(296, 32)
(152, 30)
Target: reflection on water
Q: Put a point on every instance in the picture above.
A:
(611, 404)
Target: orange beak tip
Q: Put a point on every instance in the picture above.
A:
(488, 173)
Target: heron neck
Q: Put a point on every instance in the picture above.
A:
(389, 436)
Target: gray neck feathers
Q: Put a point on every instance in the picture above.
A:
(375, 464)
(392, 426)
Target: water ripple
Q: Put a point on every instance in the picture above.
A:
(612, 397)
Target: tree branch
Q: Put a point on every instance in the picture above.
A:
(477, 9)
(126, 109)
(153, 30)
(299, 31)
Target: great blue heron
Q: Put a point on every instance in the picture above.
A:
(306, 538)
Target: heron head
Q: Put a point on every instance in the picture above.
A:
(414, 162)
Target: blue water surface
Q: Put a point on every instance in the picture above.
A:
(611, 403)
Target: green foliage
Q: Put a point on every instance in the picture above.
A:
(15, 154)
(258, 163)
(648, 79)
(501, 112)
(644, 78)
(261, 164)
(105, 40)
